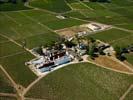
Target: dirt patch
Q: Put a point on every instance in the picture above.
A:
(110, 63)
(84, 29)
(71, 31)
(128, 64)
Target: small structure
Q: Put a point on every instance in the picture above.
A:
(83, 33)
(94, 27)
(60, 17)
(62, 60)
(130, 48)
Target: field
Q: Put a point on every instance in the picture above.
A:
(19, 72)
(115, 37)
(80, 82)
(35, 24)
(9, 53)
(7, 98)
(36, 28)
(109, 13)
(130, 58)
(129, 95)
(58, 6)
(13, 7)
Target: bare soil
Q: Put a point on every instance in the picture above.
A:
(71, 31)
(110, 63)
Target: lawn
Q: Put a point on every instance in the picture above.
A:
(58, 6)
(20, 73)
(81, 82)
(5, 84)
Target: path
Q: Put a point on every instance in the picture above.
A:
(125, 94)
(123, 29)
(8, 95)
(34, 99)
(12, 54)
(69, 5)
(85, 5)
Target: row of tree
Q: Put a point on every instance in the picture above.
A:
(100, 0)
(12, 1)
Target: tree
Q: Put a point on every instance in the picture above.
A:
(24, 0)
(69, 44)
(39, 50)
(91, 50)
(100, 0)
(119, 54)
(77, 38)
(92, 40)
(12, 1)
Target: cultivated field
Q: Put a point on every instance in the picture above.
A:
(129, 95)
(7, 98)
(130, 58)
(80, 82)
(5, 84)
(13, 7)
(35, 23)
(113, 35)
(51, 5)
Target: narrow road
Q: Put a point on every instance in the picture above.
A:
(85, 5)
(125, 94)
(12, 54)
(123, 29)
(69, 5)
(34, 99)
(8, 95)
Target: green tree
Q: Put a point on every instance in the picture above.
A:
(119, 54)
(91, 50)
